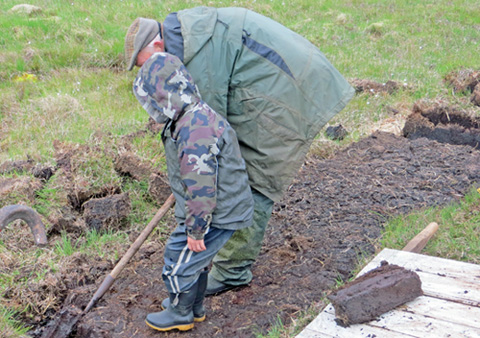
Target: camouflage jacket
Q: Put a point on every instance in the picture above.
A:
(206, 171)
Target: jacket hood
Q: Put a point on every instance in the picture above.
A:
(198, 25)
(165, 88)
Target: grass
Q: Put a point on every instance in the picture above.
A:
(299, 321)
(94, 243)
(10, 326)
(457, 237)
(275, 331)
(62, 81)
(32, 279)
(74, 49)
(65, 247)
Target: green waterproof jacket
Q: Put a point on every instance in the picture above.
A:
(275, 88)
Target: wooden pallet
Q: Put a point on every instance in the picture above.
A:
(450, 306)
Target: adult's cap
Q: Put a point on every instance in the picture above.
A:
(140, 33)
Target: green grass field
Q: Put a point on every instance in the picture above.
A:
(62, 78)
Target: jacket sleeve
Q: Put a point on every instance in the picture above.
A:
(197, 153)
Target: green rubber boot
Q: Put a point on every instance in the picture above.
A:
(198, 308)
(179, 316)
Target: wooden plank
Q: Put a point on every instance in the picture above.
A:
(325, 326)
(307, 333)
(421, 326)
(450, 307)
(456, 290)
(428, 307)
(443, 278)
(447, 311)
(428, 264)
(395, 323)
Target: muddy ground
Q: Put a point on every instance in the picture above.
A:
(331, 214)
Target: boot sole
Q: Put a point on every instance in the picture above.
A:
(199, 319)
(181, 327)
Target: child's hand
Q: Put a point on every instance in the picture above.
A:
(196, 245)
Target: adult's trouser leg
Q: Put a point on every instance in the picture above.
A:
(232, 265)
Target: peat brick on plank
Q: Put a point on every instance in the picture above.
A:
(374, 293)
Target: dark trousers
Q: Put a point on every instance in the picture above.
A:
(232, 265)
(183, 266)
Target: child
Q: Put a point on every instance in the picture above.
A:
(209, 181)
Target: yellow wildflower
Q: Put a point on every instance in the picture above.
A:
(26, 77)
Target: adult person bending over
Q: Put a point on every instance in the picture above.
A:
(276, 89)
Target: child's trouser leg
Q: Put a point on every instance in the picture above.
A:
(178, 315)
(181, 276)
(182, 266)
(199, 313)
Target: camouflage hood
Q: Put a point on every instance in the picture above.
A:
(165, 88)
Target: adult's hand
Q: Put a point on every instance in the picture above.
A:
(196, 245)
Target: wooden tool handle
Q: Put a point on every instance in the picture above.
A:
(419, 241)
(143, 236)
(110, 278)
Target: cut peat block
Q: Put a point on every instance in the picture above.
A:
(374, 293)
